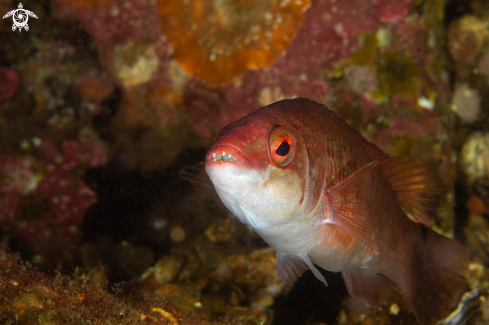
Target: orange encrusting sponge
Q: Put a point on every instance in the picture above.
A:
(216, 41)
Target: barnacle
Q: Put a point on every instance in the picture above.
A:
(219, 40)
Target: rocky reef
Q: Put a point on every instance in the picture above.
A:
(102, 102)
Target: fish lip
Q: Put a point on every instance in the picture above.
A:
(229, 149)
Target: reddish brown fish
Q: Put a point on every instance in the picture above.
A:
(319, 193)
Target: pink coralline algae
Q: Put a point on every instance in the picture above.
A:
(331, 32)
(114, 22)
(8, 84)
(128, 37)
(53, 186)
(324, 38)
(393, 11)
(17, 178)
(337, 44)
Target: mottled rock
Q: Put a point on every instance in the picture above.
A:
(221, 231)
(134, 63)
(472, 309)
(217, 41)
(8, 83)
(246, 316)
(181, 296)
(177, 234)
(122, 261)
(477, 240)
(164, 270)
(483, 65)
(466, 102)
(87, 3)
(465, 39)
(474, 159)
(33, 297)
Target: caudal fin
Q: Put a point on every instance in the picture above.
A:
(435, 277)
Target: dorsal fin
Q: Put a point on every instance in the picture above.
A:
(200, 181)
(419, 188)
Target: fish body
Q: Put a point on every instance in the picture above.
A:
(320, 194)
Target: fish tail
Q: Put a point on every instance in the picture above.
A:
(435, 276)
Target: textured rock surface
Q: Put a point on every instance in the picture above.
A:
(102, 102)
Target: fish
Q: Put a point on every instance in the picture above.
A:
(323, 196)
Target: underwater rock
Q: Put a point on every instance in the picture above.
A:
(93, 90)
(113, 22)
(477, 238)
(372, 61)
(164, 270)
(46, 198)
(181, 296)
(29, 295)
(474, 159)
(255, 274)
(472, 309)
(207, 109)
(465, 39)
(475, 205)
(128, 38)
(134, 63)
(221, 231)
(8, 83)
(19, 177)
(483, 65)
(200, 257)
(121, 261)
(466, 102)
(394, 11)
(361, 78)
(87, 3)
(217, 41)
(245, 316)
(177, 234)
(148, 127)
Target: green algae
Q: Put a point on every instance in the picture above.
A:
(368, 53)
(399, 74)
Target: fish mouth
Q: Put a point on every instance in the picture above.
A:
(220, 154)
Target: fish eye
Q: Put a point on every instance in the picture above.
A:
(282, 147)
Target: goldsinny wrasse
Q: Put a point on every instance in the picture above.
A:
(320, 194)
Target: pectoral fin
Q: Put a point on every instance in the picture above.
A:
(200, 181)
(348, 205)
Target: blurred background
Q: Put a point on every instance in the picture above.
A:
(102, 102)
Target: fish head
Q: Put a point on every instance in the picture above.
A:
(259, 168)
